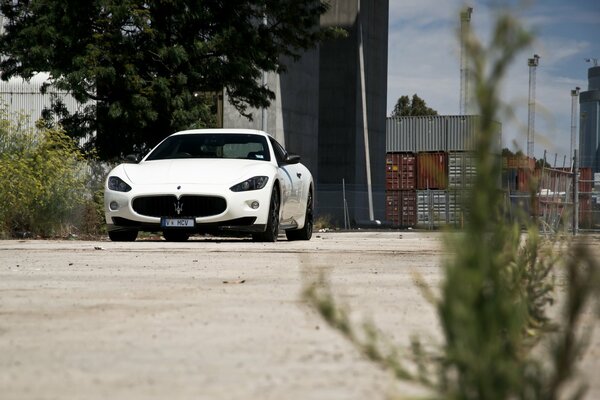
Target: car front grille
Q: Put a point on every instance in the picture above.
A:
(189, 206)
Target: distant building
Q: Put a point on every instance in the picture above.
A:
(318, 112)
(21, 97)
(589, 136)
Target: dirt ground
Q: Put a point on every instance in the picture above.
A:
(211, 318)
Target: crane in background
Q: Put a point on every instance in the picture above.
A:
(532, 63)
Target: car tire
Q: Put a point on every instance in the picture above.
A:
(122, 236)
(272, 230)
(176, 236)
(305, 233)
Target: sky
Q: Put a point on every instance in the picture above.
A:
(424, 58)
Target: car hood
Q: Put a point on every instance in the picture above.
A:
(203, 171)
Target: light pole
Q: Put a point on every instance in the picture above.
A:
(532, 63)
(574, 97)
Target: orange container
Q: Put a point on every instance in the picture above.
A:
(432, 170)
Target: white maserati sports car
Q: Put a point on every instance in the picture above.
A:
(208, 181)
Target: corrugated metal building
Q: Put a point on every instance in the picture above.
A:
(22, 97)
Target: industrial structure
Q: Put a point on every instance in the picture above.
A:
(532, 63)
(589, 137)
(430, 169)
(465, 29)
(574, 98)
(330, 108)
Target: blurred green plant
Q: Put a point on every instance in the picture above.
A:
(499, 282)
(42, 178)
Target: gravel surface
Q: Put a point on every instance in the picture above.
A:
(211, 318)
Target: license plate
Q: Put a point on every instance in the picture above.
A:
(177, 222)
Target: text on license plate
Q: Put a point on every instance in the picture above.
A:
(177, 222)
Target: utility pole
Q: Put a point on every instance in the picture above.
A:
(574, 101)
(465, 27)
(532, 63)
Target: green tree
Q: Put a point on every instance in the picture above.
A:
(406, 107)
(143, 66)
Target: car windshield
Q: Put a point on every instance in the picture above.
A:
(212, 145)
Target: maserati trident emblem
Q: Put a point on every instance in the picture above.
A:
(178, 207)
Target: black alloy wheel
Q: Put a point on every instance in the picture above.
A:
(304, 233)
(272, 230)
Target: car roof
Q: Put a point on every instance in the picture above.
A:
(222, 131)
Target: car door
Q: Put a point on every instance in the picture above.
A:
(291, 184)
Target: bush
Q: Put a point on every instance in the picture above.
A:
(42, 179)
(498, 284)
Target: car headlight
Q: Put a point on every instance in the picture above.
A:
(116, 183)
(254, 183)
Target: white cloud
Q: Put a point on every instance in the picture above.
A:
(554, 50)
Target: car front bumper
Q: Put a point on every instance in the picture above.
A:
(243, 211)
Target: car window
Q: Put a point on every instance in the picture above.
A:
(280, 153)
(212, 145)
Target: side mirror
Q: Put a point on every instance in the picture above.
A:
(132, 158)
(292, 159)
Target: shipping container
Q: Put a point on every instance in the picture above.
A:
(400, 171)
(432, 210)
(509, 180)
(434, 133)
(461, 170)
(432, 170)
(586, 180)
(585, 211)
(521, 205)
(461, 132)
(413, 134)
(458, 206)
(516, 162)
(524, 180)
(437, 208)
(401, 207)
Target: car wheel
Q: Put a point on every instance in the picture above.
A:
(122, 236)
(272, 231)
(176, 236)
(305, 233)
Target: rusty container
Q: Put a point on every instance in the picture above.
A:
(401, 207)
(515, 162)
(524, 176)
(400, 171)
(586, 180)
(585, 211)
(432, 170)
